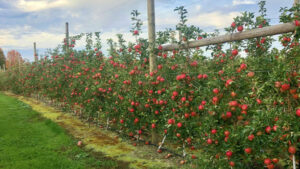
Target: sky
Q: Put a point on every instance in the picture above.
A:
(23, 22)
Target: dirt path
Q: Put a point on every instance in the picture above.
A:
(102, 141)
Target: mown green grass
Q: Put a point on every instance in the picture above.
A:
(28, 141)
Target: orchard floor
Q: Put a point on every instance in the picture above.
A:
(35, 135)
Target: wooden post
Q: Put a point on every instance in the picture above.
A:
(67, 37)
(34, 52)
(151, 34)
(296, 2)
(19, 63)
(4, 67)
(254, 33)
(179, 36)
(152, 58)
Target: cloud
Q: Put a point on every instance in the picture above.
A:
(34, 6)
(243, 2)
(215, 19)
(18, 39)
(198, 7)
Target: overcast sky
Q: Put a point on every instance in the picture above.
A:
(23, 22)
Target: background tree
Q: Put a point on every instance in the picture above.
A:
(13, 58)
(2, 58)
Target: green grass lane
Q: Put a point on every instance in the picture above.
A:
(28, 141)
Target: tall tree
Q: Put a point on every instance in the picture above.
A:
(13, 58)
(2, 58)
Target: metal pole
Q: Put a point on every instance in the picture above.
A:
(151, 34)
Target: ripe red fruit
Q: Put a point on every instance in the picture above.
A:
(268, 129)
(194, 157)
(248, 150)
(160, 47)
(285, 87)
(267, 161)
(213, 131)
(251, 137)
(175, 93)
(229, 153)
(258, 101)
(209, 141)
(178, 135)
(277, 84)
(192, 148)
(135, 32)
(189, 140)
(226, 133)
(136, 120)
(186, 115)
(216, 90)
(193, 114)
(275, 160)
(243, 66)
(231, 163)
(122, 121)
(201, 107)
(159, 66)
(244, 107)
(297, 23)
(228, 114)
(79, 143)
(240, 28)
(233, 25)
(271, 166)
(292, 150)
(233, 103)
(250, 74)
(153, 125)
(234, 52)
(171, 121)
(298, 112)
(179, 125)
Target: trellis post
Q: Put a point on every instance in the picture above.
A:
(296, 2)
(152, 56)
(67, 37)
(151, 34)
(34, 52)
